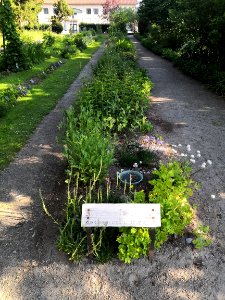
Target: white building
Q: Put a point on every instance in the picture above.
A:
(85, 11)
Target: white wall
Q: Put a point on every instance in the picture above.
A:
(79, 17)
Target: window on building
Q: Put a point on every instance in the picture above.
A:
(95, 11)
(54, 10)
(73, 27)
(77, 11)
(45, 9)
(88, 11)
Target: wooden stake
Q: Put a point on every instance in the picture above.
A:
(89, 244)
(151, 253)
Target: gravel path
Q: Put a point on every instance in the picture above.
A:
(184, 112)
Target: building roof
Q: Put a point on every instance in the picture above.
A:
(93, 2)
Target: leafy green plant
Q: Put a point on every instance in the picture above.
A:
(201, 237)
(171, 188)
(133, 242)
(87, 148)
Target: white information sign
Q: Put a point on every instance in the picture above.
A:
(120, 215)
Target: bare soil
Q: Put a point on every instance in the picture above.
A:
(184, 112)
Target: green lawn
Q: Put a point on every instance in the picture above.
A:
(21, 121)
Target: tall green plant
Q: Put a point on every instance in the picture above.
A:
(87, 148)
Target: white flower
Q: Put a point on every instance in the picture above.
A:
(182, 154)
(140, 162)
(192, 156)
(189, 149)
(198, 151)
(174, 151)
(213, 196)
(209, 161)
(174, 146)
(135, 165)
(192, 160)
(179, 145)
(203, 165)
(188, 146)
(199, 155)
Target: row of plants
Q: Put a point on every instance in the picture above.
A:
(110, 110)
(48, 83)
(50, 45)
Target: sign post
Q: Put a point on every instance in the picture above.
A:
(121, 215)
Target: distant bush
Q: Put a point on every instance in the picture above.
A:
(57, 27)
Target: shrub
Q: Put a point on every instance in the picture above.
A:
(34, 52)
(57, 26)
(80, 42)
(68, 51)
(49, 39)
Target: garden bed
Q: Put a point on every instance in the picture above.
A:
(107, 131)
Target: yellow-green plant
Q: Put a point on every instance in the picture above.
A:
(172, 187)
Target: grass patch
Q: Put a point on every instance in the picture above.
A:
(17, 78)
(21, 121)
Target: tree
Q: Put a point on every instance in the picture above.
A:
(13, 57)
(26, 12)
(108, 7)
(120, 18)
(62, 10)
